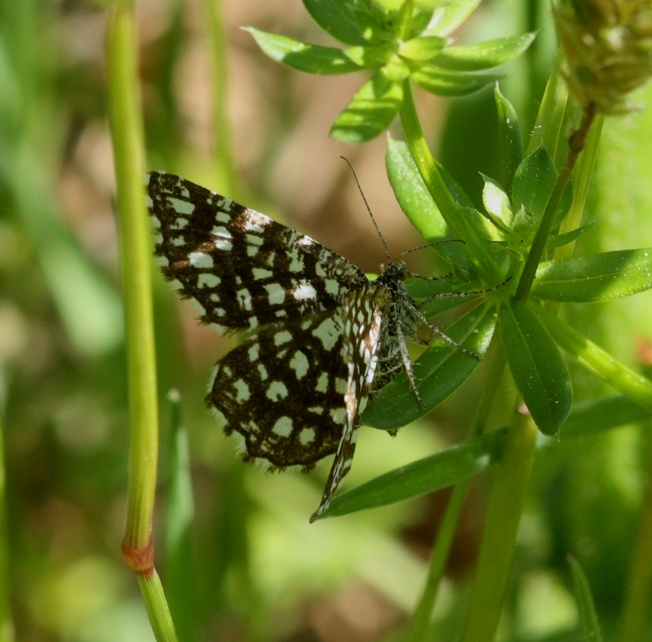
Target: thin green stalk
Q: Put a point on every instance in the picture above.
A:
(496, 556)
(157, 609)
(626, 380)
(219, 83)
(437, 188)
(446, 532)
(581, 181)
(134, 237)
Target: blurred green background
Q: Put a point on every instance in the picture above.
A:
(258, 570)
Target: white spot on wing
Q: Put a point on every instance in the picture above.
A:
(322, 382)
(275, 293)
(179, 223)
(277, 390)
(304, 291)
(200, 260)
(181, 207)
(299, 363)
(244, 298)
(282, 427)
(338, 415)
(281, 337)
(327, 333)
(223, 244)
(220, 232)
(254, 239)
(253, 353)
(296, 264)
(207, 280)
(242, 391)
(332, 286)
(262, 273)
(252, 225)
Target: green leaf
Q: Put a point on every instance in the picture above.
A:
(370, 112)
(411, 192)
(588, 616)
(475, 455)
(348, 21)
(592, 279)
(304, 57)
(537, 367)
(510, 140)
(595, 416)
(450, 83)
(422, 49)
(448, 15)
(484, 225)
(484, 55)
(497, 205)
(439, 371)
(558, 240)
(423, 476)
(369, 57)
(420, 22)
(533, 182)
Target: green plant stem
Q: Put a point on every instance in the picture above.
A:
(438, 189)
(219, 83)
(134, 237)
(157, 609)
(498, 541)
(446, 531)
(576, 145)
(438, 560)
(581, 180)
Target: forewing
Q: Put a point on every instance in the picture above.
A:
(364, 314)
(281, 392)
(242, 268)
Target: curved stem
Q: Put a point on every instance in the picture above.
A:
(450, 210)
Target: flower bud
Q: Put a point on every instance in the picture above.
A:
(608, 47)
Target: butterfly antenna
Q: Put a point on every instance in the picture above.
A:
(366, 204)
